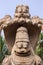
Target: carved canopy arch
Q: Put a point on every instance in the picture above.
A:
(21, 18)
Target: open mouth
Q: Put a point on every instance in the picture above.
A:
(23, 54)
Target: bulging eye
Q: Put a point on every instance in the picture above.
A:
(19, 45)
(25, 45)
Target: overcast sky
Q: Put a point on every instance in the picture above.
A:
(8, 7)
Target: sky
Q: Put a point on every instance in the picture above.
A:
(9, 6)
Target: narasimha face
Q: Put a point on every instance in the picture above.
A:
(22, 42)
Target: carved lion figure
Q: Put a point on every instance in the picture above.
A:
(21, 35)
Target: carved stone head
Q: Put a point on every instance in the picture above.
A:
(22, 42)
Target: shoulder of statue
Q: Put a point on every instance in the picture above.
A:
(6, 61)
(38, 60)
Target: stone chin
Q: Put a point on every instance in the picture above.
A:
(21, 52)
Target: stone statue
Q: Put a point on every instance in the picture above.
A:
(21, 35)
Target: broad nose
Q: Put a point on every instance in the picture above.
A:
(25, 45)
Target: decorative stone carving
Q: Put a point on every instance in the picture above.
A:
(21, 34)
